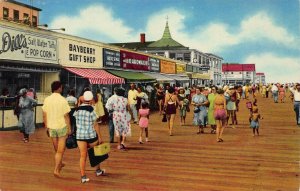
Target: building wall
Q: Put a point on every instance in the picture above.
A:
(21, 9)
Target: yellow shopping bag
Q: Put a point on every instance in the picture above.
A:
(102, 149)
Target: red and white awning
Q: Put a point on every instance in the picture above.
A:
(97, 76)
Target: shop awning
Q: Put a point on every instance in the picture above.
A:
(132, 76)
(96, 76)
(180, 78)
(159, 77)
(200, 76)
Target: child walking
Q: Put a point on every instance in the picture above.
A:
(144, 121)
(255, 116)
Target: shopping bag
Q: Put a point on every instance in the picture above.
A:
(101, 149)
(95, 160)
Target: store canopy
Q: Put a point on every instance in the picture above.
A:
(178, 77)
(96, 76)
(132, 76)
(159, 77)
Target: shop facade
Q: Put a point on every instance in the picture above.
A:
(27, 59)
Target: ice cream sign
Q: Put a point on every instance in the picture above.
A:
(26, 46)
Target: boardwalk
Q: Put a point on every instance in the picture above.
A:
(185, 161)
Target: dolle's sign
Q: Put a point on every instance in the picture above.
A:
(20, 45)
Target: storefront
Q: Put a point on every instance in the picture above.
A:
(82, 66)
(28, 58)
(131, 66)
(202, 79)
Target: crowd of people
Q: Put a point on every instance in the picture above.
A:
(212, 106)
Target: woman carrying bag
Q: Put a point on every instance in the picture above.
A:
(88, 133)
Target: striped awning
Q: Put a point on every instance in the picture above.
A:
(96, 76)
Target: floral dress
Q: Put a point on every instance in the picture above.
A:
(121, 117)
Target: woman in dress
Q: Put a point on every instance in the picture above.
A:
(26, 118)
(121, 117)
(170, 105)
(211, 118)
(220, 113)
(199, 101)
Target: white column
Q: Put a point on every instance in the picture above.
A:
(167, 54)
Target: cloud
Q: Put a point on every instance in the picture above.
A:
(276, 68)
(217, 36)
(95, 19)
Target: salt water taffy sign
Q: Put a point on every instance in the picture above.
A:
(21, 45)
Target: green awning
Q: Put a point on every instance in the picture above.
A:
(132, 76)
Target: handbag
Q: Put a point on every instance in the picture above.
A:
(164, 119)
(95, 160)
(102, 149)
(197, 110)
(71, 142)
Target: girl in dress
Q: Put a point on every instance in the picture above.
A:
(144, 121)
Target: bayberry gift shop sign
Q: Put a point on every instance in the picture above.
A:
(20, 45)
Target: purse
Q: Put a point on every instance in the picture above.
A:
(197, 110)
(164, 119)
(102, 149)
(95, 160)
(71, 142)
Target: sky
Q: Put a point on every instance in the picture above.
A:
(263, 32)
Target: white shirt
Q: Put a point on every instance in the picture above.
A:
(149, 88)
(296, 94)
(274, 88)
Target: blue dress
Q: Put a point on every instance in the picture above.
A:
(200, 117)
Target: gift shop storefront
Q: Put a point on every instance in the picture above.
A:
(82, 66)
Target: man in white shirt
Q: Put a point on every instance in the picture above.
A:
(274, 90)
(296, 93)
(132, 94)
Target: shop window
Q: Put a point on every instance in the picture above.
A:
(5, 13)
(172, 55)
(187, 57)
(26, 18)
(34, 21)
(16, 15)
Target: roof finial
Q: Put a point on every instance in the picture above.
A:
(167, 18)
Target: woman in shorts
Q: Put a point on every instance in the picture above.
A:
(88, 133)
(220, 113)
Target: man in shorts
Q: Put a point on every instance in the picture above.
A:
(57, 122)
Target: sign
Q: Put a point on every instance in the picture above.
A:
(23, 75)
(154, 64)
(111, 58)
(189, 68)
(167, 67)
(180, 68)
(232, 75)
(17, 44)
(204, 68)
(134, 61)
(76, 53)
(201, 76)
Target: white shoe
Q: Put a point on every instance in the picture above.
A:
(147, 140)
(84, 179)
(100, 172)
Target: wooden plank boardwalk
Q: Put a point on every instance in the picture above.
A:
(185, 161)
